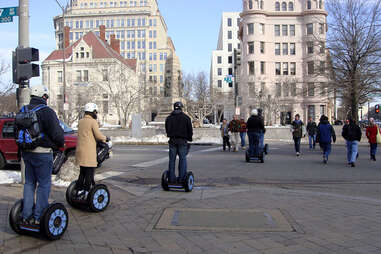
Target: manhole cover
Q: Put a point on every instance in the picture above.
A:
(235, 220)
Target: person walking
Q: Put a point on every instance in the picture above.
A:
(297, 133)
(234, 127)
(242, 133)
(86, 150)
(371, 133)
(352, 135)
(312, 131)
(255, 126)
(178, 127)
(39, 158)
(262, 136)
(325, 135)
(225, 134)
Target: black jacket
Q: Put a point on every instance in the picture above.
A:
(178, 127)
(255, 124)
(352, 132)
(311, 128)
(49, 124)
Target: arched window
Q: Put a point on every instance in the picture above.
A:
(284, 6)
(250, 4)
(291, 6)
(309, 4)
(277, 6)
(262, 4)
(320, 4)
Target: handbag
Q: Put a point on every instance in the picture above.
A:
(378, 136)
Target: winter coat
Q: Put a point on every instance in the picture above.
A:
(243, 126)
(325, 133)
(178, 127)
(88, 134)
(371, 133)
(224, 130)
(49, 124)
(351, 132)
(297, 129)
(311, 128)
(234, 125)
(255, 124)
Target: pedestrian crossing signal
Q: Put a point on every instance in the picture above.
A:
(377, 108)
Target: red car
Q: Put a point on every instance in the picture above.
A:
(9, 153)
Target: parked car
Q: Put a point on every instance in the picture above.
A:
(9, 152)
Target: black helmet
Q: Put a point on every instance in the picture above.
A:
(178, 105)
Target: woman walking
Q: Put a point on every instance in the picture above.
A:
(371, 134)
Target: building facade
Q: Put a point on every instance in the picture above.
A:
(222, 66)
(284, 60)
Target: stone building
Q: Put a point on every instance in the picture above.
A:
(284, 60)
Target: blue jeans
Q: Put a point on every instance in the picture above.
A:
(312, 141)
(243, 136)
(262, 140)
(253, 143)
(297, 144)
(181, 150)
(352, 150)
(373, 149)
(327, 147)
(38, 170)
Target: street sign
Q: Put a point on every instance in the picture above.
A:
(6, 19)
(8, 12)
(228, 78)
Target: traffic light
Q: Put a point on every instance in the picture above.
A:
(23, 69)
(237, 58)
(377, 108)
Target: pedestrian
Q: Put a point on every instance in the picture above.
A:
(262, 136)
(325, 135)
(225, 134)
(352, 134)
(234, 127)
(312, 131)
(371, 133)
(179, 130)
(255, 126)
(38, 157)
(86, 150)
(242, 133)
(297, 133)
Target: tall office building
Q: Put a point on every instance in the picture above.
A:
(284, 60)
(222, 68)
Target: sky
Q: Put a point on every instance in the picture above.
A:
(192, 25)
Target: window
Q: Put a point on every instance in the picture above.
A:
(230, 47)
(320, 4)
(310, 47)
(322, 47)
(250, 4)
(310, 28)
(309, 4)
(229, 22)
(277, 6)
(277, 68)
(261, 4)
(284, 6)
(293, 68)
(262, 47)
(277, 30)
(292, 30)
(250, 28)
(251, 47)
(59, 75)
(219, 71)
(9, 130)
(286, 89)
(311, 89)
(322, 67)
(310, 68)
(219, 59)
(278, 88)
(277, 49)
(285, 30)
(251, 86)
(262, 28)
(85, 75)
(219, 83)
(323, 89)
(230, 59)
(293, 89)
(285, 68)
(104, 75)
(230, 35)
(292, 49)
(285, 48)
(78, 76)
(230, 71)
(290, 6)
(322, 109)
(263, 68)
(321, 28)
(311, 111)
(251, 67)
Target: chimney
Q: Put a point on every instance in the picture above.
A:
(102, 32)
(67, 36)
(114, 43)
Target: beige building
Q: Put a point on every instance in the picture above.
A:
(283, 68)
(138, 25)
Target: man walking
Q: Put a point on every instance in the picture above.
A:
(179, 130)
(297, 133)
(352, 134)
(225, 134)
(242, 133)
(234, 127)
(325, 136)
(312, 131)
(255, 127)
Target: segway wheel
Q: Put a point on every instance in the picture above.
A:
(164, 181)
(15, 216)
(99, 198)
(266, 150)
(70, 192)
(247, 156)
(189, 182)
(261, 158)
(54, 221)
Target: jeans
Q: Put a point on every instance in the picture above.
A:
(312, 141)
(181, 150)
(327, 147)
(261, 140)
(225, 141)
(243, 136)
(254, 143)
(373, 149)
(297, 144)
(85, 178)
(38, 170)
(352, 150)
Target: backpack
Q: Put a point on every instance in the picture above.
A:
(28, 128)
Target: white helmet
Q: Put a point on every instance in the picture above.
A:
(39, 91)
(91, 107)
(254, 112)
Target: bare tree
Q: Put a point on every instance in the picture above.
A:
(7, 92)
(354, 43)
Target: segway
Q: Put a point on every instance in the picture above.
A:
(98, 198)
(260, 157)
(187, 184)
(53, 223)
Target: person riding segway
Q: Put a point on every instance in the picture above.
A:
(255, 127)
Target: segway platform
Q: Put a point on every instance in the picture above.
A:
(187, 185)
(257, 158)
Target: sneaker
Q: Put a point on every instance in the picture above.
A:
(297, 154)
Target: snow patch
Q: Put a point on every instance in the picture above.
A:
(9, 177)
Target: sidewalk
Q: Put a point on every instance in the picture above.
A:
(320, 222)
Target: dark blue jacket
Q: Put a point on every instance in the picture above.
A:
(325, 133)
